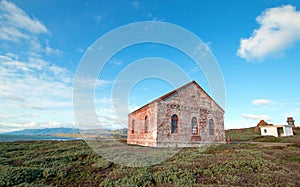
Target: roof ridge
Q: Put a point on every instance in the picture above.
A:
(176, 90)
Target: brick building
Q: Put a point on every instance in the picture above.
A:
(185, 117)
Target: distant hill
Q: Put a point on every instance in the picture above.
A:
(52, 131)
(46, 131)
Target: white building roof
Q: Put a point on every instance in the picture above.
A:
(275, 126)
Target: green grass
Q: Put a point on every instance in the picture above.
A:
(73, 163)
(293, 159)
(248, 134)
(238, 135)
(268, 139)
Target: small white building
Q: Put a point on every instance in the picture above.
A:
(276, 130)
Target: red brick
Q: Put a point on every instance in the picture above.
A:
(186, 102)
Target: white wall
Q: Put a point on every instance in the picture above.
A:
(270, 131)
(288, 131)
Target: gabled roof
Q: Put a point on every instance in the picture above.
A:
(263, 123)
(177, 90)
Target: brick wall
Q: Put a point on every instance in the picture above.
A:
(140, 137)
(186, 103)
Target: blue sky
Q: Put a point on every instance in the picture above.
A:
(256, 44)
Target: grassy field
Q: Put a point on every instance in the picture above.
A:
(73, 163)
(248, 134)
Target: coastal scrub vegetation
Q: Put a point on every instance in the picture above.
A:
(74, 163)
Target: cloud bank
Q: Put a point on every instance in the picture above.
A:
(261, 102)
(256, 117)
(18, 28)
(279, 29)
(15, 24)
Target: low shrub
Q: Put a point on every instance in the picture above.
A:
(267, 139)
(293, 159)
(102, 164)
(10, 176)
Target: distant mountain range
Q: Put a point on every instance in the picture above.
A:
(63, 130)
(46, 131)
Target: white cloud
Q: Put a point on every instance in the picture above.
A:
(135, 5)
(108, 119)
(14, 22)
(261, 102)
(256, 117)
(80, 50)
(279, 29)
(88, 82)
(31, 86)
(50, 51)
(152, 17)
(104, 100)
(18, 27)
(9, 127)
(202, 50)
(194, 70)
(6, 116)
(32, 115)
(12, 34)
(98, 19)
(35, 90)
(291, 112)
(133, 107)
(30, 125)
(12, 97)
(115, 62)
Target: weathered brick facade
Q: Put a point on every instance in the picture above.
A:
(185, 117)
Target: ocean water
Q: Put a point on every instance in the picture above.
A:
(14, 138)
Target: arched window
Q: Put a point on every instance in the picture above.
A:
(146, 124)
(174, 124)
(132, 127)
(211, 126)
(194, 126)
